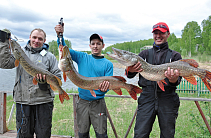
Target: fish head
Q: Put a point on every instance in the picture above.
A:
(124, 57)
(65, 59)
(16, 49)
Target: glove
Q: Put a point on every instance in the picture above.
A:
(43, 85)
(41, 81)
(4, 35)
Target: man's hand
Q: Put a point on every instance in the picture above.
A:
(104, 86)
(172, 75)
(135, 68)
(41, 79)
(59, 29)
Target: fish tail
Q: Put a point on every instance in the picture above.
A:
(63, 96)
(134, 91)
(207, 77)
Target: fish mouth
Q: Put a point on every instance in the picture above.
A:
(119, 56)
(114, 55)
(65, 52)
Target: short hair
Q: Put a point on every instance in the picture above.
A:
(39, 30)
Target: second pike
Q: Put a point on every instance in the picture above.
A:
(186, 67)
(92, 83)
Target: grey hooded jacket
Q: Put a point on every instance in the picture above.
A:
(25, 92)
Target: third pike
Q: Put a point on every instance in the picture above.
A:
(186, 67)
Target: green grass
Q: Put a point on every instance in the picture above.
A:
(121, 111)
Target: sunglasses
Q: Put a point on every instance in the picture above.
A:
(161, 26)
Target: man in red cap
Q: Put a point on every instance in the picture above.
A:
(153, 101)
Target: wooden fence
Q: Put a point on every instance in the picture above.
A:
(75, 98)
(184, 87)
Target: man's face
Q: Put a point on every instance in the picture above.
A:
(37, 39)
(96, 47)
(160, 37)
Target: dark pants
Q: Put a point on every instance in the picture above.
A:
(165, 105)
(32, 119)
(92, 112)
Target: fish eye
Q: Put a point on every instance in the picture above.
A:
(126, 56)
(134, 60)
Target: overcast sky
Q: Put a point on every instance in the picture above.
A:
(117, 21)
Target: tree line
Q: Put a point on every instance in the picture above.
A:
(194, 39)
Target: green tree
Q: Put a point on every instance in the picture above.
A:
(189, 36)
(53, 46)
(206, 34)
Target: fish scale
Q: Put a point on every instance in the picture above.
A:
(54, 82)
(187, 68)
(92, 83)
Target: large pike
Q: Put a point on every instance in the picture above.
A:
(187, 68)
(33, 70)
(92, 83)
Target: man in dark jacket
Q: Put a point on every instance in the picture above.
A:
(153, 101)
(34, 103)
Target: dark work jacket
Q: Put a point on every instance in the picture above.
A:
(159, 57)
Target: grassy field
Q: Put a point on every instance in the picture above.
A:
(189, 122)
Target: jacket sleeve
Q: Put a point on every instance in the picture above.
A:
(54, 67)
(7, 60)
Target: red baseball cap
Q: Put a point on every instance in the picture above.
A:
(163, 27)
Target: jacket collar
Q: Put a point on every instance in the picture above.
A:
(161, 47)
(36, 50)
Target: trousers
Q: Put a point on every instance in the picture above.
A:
(92, 112)
(32, 119)
(164, 105)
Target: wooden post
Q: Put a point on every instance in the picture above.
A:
(203, 116)
(3, 97)
(75, 99)
(112, 124)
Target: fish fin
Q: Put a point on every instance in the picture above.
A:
(191, 79)
(34, 81)
(120, 78)
(118, 91)
(163, 81)
(93, 93)
(16, 63)
(53, 88)
(63, 96)
(134, 91)
(191, 62)
(64, 76)
(60, 82)
(206, 83)
(126, 70)
(160, 84)
(207, 76)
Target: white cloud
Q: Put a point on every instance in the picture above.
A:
(116, 20)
